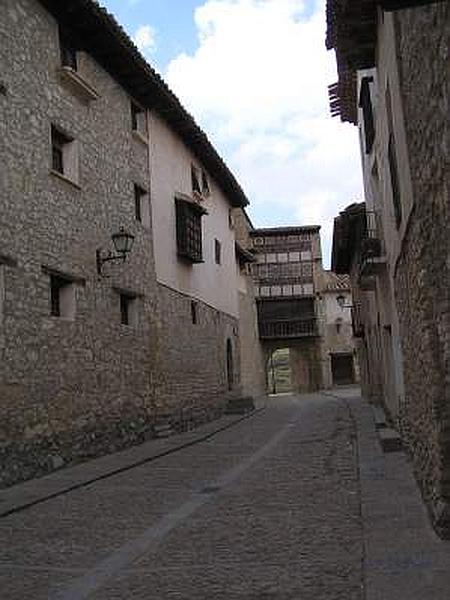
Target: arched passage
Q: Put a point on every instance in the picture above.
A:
(279, 373)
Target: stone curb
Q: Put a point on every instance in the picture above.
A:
(25, 495)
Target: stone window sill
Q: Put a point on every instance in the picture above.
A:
(140, 137)
(65, 178)
(78, 84)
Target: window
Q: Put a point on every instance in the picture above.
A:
(307, 271)
(230, 366)
(365, 103)
(62, 297)
(195, 180)
(194, 315)
(141, 205)
(393, 166)
(64, 154)
(138, 122)
(205, 184)
(230, 219)
(189, 230)
(128, 313)
(68, 51)
(217, 251)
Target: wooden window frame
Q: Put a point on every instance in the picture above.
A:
(189, 230)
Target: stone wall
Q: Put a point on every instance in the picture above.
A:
(68, 387)
(252, 356)
(422, 279)
(194, 357)
(77, 387)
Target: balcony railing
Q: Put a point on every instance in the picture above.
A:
(288, 328)
(373, 255)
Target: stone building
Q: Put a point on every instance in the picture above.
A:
(392, 58)
(339, 363)
(287, 275)
(94, 352)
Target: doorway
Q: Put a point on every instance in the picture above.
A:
(342, 369)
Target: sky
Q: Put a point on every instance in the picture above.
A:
(254, 74)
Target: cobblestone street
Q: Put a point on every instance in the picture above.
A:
(295, 502)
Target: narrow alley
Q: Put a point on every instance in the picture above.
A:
(295, 500)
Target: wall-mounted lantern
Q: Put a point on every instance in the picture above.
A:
(341, 302)
(123, 243)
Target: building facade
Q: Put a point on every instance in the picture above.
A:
(397, 244)
(339, 361)
(95, 352)
(286, 275)
(253, 372)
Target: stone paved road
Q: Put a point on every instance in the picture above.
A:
(268, 509)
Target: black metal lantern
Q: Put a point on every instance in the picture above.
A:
(123, 243)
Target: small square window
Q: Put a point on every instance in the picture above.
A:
(297, 290)
(294, 257)
(276, 290)
(287, 290)
(62, 297)
(282, 257)
(128, 315)
(68, 52)
(64, 154)
(271, 258)
(138, 122)
(218, 251)
(141, 205)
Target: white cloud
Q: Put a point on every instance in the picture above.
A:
(145, 39)
(257, 83)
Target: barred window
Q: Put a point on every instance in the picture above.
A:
(189, 230)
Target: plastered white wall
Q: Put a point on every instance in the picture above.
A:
(332, 309)
(170, 164)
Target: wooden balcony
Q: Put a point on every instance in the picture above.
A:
(288, 328)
